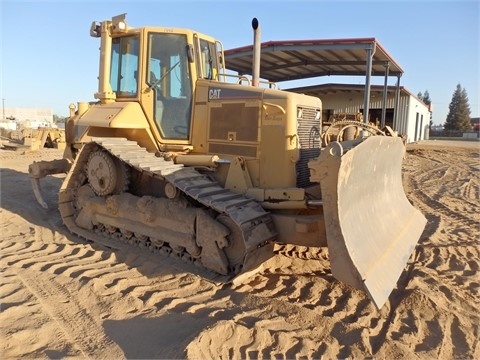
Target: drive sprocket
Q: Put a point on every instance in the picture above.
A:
(106, 175)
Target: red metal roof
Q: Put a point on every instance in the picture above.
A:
(300, 59)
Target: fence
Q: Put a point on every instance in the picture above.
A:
(454, 134)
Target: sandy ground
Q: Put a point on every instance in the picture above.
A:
(62, 297)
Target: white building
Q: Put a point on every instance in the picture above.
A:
(28, 117)
(413, 115)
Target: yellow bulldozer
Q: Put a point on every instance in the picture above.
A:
(176, 158)
(29, 139)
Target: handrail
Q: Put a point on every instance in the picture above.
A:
(241, 78)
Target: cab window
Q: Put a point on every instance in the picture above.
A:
(168, 76)
(207, 66)
(124, 66)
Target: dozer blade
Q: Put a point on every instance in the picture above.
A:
(372, 228)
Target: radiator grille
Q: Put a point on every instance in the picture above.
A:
(309, 137)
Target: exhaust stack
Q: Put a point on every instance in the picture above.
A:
(256, 52)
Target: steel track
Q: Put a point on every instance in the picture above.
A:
(253, 221)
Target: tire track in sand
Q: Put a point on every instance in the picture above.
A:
(76, 322)
(444, 285)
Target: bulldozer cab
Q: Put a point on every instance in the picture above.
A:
(159, 68)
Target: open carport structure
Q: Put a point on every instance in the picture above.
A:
(302, 59)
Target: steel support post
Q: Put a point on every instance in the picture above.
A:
(397, 101)
(385, 92)
(366, 102)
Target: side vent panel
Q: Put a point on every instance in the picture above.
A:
(234, 129)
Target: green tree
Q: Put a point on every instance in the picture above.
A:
(425, 97)
(458, 117)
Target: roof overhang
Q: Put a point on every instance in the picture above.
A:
(327, 89)
(301, 59)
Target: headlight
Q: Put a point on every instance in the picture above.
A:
(122, 25)
(318, 114)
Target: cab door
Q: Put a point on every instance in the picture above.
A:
(168, 76)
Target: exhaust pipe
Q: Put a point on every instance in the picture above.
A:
(256, 52)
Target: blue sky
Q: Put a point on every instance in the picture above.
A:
(49, 60)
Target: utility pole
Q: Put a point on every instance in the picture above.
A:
(3, 108)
